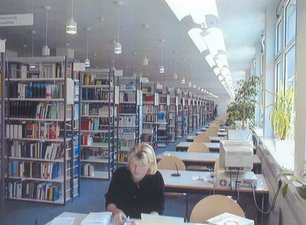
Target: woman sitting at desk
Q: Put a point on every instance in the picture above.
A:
(137, 188)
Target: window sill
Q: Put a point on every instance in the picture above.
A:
(283, 153)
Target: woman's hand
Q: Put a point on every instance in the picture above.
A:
(119, 218)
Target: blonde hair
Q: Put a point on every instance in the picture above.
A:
(145, 154)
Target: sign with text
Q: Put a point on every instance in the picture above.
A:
(16, 20)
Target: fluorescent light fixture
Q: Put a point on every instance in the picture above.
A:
(117, 48)
(161, 69)
(71, 26)
(210, 60)
(214, 40)
(45, 48)
(189, 84)
(195, 35)
(216, 70)
(179, 8)
(183, 81)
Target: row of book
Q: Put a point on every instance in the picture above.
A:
(96, 109)
(96, 123)
(34, 190)
(92, 79)
(127, 108)
(37, 170)
(127, 121)
(35, 90)
(127, 97)
(88, 170)
(32, 130)
(39, 70)
(38, 150)
(96, 94)
(127, 86)
(42, 110)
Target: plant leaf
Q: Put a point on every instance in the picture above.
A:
(285, 190)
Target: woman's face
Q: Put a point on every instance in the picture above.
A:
(138, 171)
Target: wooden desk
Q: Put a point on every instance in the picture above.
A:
(183, 146)
(81, 216)
(216, 138)
(220, 129)
(220, 134)
(206, 159)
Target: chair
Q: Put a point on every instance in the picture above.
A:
(170, 163)
(217, 165)
(212, 131)
(214, 205)
(173, 163)
(203, 137)
(198, 147)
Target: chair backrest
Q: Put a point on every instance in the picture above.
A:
(217, 165)
(198, 147)
(214, 205)
(203, 137)
(212, 131)
(170, 163)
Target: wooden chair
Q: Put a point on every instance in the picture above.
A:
(170, 163)
(173, 163)
(214, 205)
(198, 147)
(212, 131)
(203, 137)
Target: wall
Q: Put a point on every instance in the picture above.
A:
(290, 210)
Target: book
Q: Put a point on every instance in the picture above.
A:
(97, 218)
(229, 219)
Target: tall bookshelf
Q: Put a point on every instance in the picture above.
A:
(128, 116)
(2, 155)
(149, 113)
(172, 115)
(41, 129)
(180, 112)
(98, 124)
(162, 118)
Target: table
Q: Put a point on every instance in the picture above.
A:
(220, 134)
(205, 159)
(183, 146)
(220, 129)
(81, 216)
(202, 183)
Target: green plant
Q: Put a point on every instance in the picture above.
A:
(243, 107)
(282, 113)
(288, 177)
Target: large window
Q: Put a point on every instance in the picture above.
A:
(279, 36)
(290, 67)
(290, 12)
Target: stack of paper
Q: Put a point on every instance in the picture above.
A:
(61, 220)
(97, 218)
(229, 219)
(149, 219)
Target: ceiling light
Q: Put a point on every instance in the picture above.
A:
(117, 48)
(46, 49)
(145, 61)
(71, 25)
(161, 69)
(87, 61)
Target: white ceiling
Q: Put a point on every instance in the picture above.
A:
(242, 23)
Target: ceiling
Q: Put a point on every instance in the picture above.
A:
(144, 26)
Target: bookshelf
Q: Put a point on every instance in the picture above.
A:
(172, 115)
(2, 155)
(149, 113)
(41, 129)
(129, 111)
(179, 120)
(162, 118)
(98, 119)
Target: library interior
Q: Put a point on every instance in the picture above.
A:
(152, 112)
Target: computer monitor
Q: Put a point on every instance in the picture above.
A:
(236, 155)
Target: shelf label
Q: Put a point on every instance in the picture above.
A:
(16, 20)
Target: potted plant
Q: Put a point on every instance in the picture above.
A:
(288, 178)
(242, 110)
(281, 116)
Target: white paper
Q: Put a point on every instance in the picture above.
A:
(61, 220)
(97, 218)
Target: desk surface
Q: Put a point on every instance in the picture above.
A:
(81, 216)
(195, 181)
(205, 157)
(213, 146)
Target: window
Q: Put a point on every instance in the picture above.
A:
(290, 12)
(290, 67)
(279, 36)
